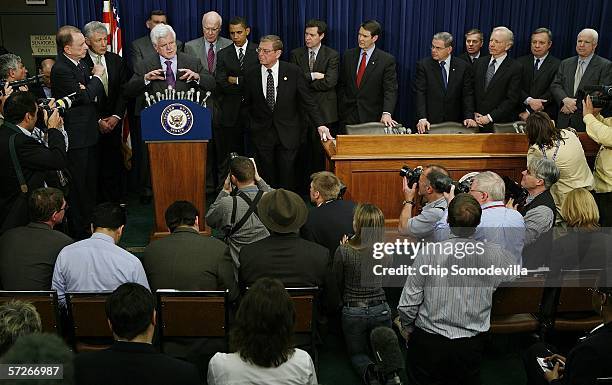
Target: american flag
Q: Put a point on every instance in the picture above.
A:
(110, 17)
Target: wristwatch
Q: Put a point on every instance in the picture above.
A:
(405, 202)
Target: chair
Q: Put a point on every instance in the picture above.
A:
(192, 314)
(451, 128)
(305, 302)
(375, 128)
(87, 318)
(516, 306)
(574, 310)
(517, 127)
(45, 303)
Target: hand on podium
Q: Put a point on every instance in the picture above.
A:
(324, 133)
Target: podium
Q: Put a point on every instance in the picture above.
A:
(177, 133)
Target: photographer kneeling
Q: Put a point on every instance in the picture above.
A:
(27, 159)
(600, 130)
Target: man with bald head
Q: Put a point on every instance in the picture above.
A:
(44, 90)
(497, 82)
(574, 73)
(207, 47)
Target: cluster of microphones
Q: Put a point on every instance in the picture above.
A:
(172, 94)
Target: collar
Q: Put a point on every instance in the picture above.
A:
(76, 63)
(94, 55)
(274, 68)
(587, 59)
(207, 43)
(367, 51)
(446, 61)
(163, 60)
(474, 57)
(103, 237)
(26, 132)
(314, 49)
(436, 203)
(499, 60)
(39, 225)
(133, 347)
(490, 205)
(244, 46)
(325, 202)
(184, 229)
(250, 188)
(541, 58)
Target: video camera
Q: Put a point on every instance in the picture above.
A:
(515, 191)
(34, 80)
(601, 95)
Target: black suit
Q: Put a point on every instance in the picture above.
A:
(128, 363)
(36, 161)
(327, 224)
(27, 256)
(111, 171)
(81, 123)
(501, 98)
(437, 104)
(276, 133)
(377, 92)
(466, 57)
(536, 84)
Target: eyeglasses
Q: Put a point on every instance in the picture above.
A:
(266, 51)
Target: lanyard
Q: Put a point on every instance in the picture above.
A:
(490, 207)
(556, 150)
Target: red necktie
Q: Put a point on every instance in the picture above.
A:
(361, 70)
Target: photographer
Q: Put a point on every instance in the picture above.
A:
(27, 160)
(600, 130)
(234, 212)
(12, 69)
(422, 226)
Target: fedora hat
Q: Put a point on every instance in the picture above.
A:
(282, 211)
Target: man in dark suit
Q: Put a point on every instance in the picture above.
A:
(443, 86)
(132, 359)
(274, 92)
(26, 264)
(319, 64)
(574, 73)
(497, 82)
(111, 110)
(186, 260)
(70, 75)
(201, 47)
(368, 81)
(474, 39)
(539, 70)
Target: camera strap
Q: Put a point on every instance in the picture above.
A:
(13, 152)
(234, 227)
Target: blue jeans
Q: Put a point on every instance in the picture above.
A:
(357, 323)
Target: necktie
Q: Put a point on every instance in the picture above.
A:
(362, 67)
(104, 75)
(241, 57)
(170, 79)
(536, 66)
(490, 73)
(578, 76)
(444, 78)
(270, 90)
(311, 61)
(211, 58)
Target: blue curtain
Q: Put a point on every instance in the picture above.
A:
(408, 24)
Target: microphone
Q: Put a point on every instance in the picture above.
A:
(198, 96)
(206, 97)
(146, 94)
(387, 353)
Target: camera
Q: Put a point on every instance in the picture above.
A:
(515, 191)
(444, 183)
(412, 175)
(38, 79)
(601, 95)
(61, 105)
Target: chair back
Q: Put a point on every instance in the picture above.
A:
(517, 127)
(87, 318)
(45, 303)
(451, 128)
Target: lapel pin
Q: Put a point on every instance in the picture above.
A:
(285, 78)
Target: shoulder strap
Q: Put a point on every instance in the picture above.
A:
(252, 209)
(16, 165)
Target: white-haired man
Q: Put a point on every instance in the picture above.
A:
(206, 47)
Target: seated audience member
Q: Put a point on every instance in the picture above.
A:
(364, 303)
(46, 350)
(422, 225)
(539, 211)
(132, 359)
(97, 263)
(447, 317)
(223, 217)
(498, 223)
(332, 217)
(262, 337)
(296, 262)
(28, 253)
(186, 260)
(588, 360)
(17, 318)
(564, 148)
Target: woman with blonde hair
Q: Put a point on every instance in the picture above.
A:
(564, 148)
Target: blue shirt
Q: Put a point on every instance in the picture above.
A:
(95, 264)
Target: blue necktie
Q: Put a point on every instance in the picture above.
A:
(444, 78)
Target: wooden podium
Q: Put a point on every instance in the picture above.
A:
(177, 134)
(369, 165)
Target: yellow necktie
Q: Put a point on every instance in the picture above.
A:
(104, 75)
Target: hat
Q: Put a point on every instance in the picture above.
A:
(282, 211)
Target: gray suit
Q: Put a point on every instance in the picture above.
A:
(197, 48)
(599, 71)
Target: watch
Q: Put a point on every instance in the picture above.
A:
(404, 202)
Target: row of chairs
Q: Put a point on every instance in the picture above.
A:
(181, 314)
(376, 128)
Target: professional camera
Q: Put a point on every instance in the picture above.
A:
(61, 105)
(601, 95)
(412, 175)
(444, 184)
(34, 80)
(515, 191)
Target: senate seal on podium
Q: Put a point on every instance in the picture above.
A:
(177, 119)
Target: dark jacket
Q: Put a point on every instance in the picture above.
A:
(327, 224)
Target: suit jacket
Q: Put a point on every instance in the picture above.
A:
(28, 265)
(466, 57)
(136, 86)
(437, 104)
(115, 102)
(197, 48)
(324, 90)
(327, 224)
(36, 161)
(536, 84)
(80, 120)
(378, 91)
(186, 260)
(142, 49)
(127, 363)
(292, 93)
(501, 98)
(599, 71)
(230, 96)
